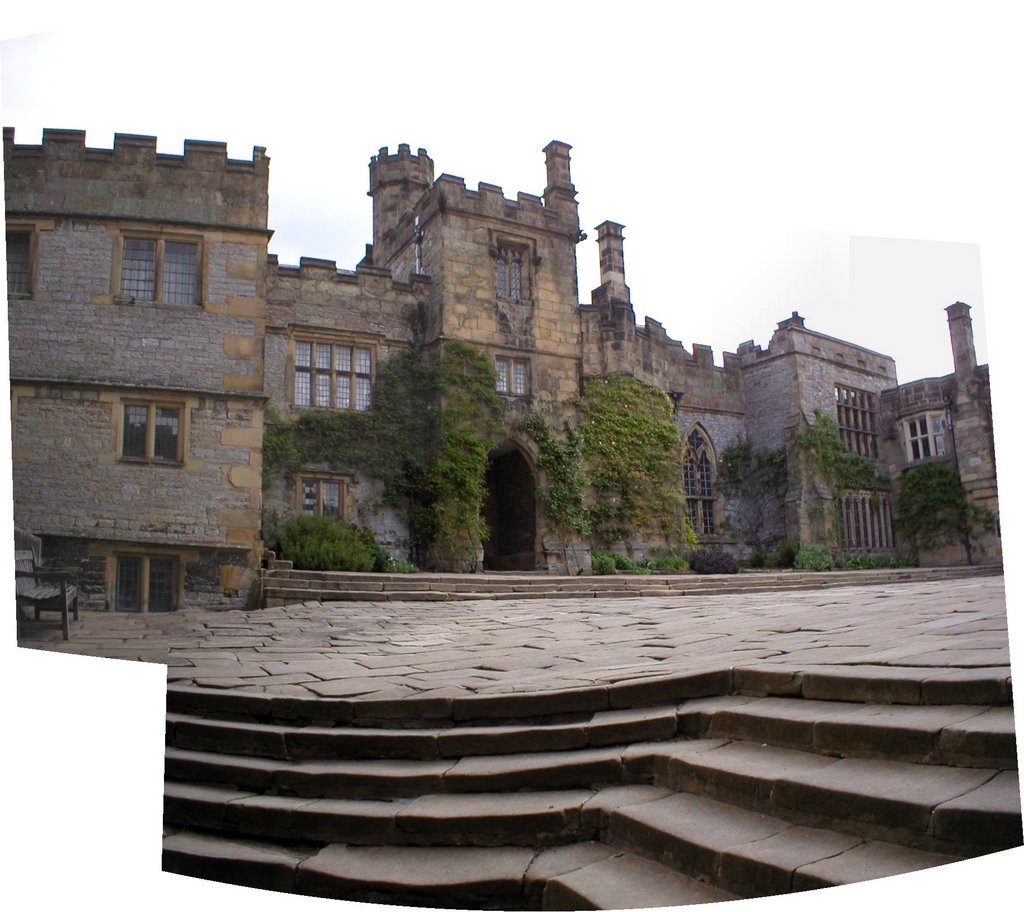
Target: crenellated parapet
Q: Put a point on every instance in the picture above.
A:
(203, 187)
(648, 353)
(368, 278)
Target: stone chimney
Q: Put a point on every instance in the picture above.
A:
(961, 336)
(613, 269)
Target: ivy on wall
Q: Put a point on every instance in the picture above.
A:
(471, 426)
(932, 510)
(757, 479)
(564, 494)
(635, 460)
(821, 451)
(435, 417)
(840, 469)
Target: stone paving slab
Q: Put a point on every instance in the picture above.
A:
(366, 651)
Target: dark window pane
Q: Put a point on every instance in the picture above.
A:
(161, 585)
(310, 497)
(129, 580)
(17, 263)
(138, 273)
(332, 498)
(363, 394)
(135, 419)
(302, 391)
(165, 443)
(180, 273)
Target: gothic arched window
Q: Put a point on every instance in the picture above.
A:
(698, 481)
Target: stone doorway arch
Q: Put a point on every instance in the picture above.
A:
(510, 511)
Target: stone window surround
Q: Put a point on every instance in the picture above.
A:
(161, 237)
(866, 521)
(320, 479)
(31, 230)
(152, 405)
(508, 375)
(932, 443)
(857, 417)
(334, 339)
(144, 554)
(698, 482)
(505, 249)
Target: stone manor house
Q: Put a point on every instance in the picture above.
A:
(150, 330)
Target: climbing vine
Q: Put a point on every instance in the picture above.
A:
(840, 469)
(820, 450)
(471, 426)
(435, 417)
(564, 494)
(635, 460)
(932, 509)
(757, 479)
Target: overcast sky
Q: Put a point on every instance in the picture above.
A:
(857, 162)
(740, 144)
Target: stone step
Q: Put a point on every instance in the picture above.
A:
(270, 841)
(483, 819)
(585, 875)
(751, 854)
(399, 778)
(967, 735)
(964, 810)
(626, 881)
(285, 586)
(283, 741)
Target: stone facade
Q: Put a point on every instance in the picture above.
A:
(93, 362)
(90, 354)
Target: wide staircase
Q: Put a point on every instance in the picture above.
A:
(711, 786)
(284, 585)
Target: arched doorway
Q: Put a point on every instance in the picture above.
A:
(510, 512)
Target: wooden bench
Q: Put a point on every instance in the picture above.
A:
(44, 589)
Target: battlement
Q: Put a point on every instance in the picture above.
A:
(61, 175)
(315, 269)
(489, 201)
(400, 167)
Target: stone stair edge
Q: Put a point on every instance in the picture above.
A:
(901, 685)
(280, 587)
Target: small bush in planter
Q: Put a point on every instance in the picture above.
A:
(707, 561)
(602, 563)
(813, 557)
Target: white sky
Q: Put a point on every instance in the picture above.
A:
(742, 144)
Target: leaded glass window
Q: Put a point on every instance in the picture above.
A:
(333, 375)
(698, 482)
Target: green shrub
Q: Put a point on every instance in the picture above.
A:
(602, 563)
(623, 564)
(707, 561)
(670, 563)
(872, 561)
(402, 567)
(813, 557)
(318, 543)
